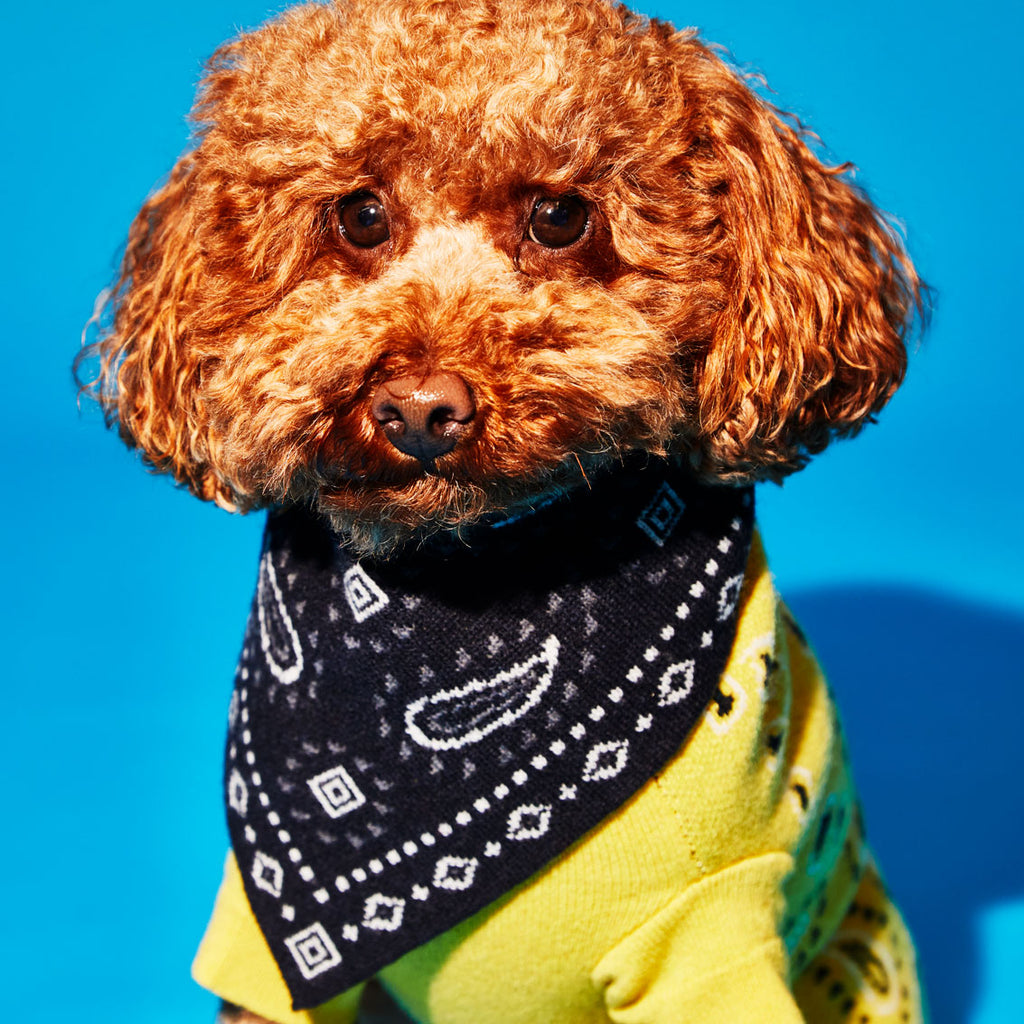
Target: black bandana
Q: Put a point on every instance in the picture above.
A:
(410, 739)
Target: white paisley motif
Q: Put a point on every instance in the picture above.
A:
(278, 638)
(455, 718)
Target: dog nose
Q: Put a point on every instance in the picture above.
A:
(424, 416)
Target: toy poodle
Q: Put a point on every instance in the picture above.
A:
(500, 308)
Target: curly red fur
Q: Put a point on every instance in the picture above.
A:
(734, 300)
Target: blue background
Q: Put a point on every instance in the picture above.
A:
(125, 599)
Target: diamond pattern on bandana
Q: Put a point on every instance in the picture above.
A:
(606, 760)
(268, 874)
(313, 950)
(529, 822)
(383, 913)
(337, 793)
(455, 873)
(660, 517)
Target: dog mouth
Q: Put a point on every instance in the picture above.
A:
(383, 507)
(424, 456)
(426, 451)
(377, 515)
(408, 472)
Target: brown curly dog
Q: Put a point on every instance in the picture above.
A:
(433, 261)
(587, 217)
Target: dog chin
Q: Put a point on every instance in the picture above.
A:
(378, 518)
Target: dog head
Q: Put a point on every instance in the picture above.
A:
(434, 258)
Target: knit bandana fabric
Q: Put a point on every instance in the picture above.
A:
(409, 739)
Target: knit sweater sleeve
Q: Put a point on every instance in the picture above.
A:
(712, 955)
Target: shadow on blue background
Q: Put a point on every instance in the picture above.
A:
(929, 689)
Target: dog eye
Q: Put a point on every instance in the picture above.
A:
(558, 221)
(363, 220)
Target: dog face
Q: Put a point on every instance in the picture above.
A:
(433, 258)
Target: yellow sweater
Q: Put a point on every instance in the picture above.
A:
(734, 887)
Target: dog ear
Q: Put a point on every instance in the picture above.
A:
(149, 360)
(818, 291)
